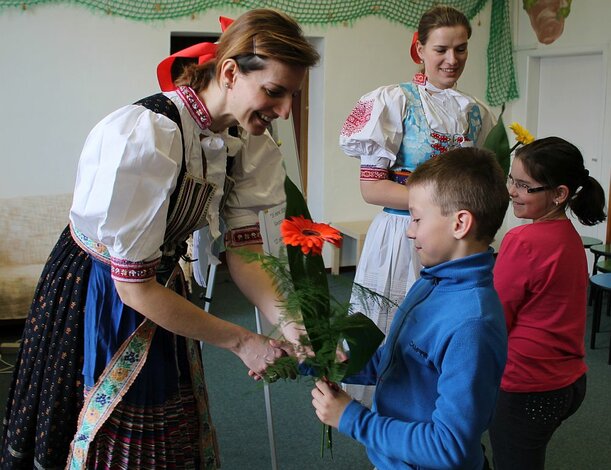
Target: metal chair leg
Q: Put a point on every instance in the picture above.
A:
(596, 316)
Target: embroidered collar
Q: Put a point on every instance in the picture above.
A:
(197, 109)
(422, 80)
(419, 79)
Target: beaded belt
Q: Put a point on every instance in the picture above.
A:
(399, 176)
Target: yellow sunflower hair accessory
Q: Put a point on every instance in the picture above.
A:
(522, 135)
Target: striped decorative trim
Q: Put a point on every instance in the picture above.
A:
(120, 269)
(189, 212)
(249, 235)
(91, 247)
(197, 109)
(372, 173)
(114, 382)
(133, 271)
(167, 441)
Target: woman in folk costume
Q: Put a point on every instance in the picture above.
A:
(392, 130)
(109, 339)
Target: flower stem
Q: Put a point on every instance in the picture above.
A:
(322, 441)
(326, 440)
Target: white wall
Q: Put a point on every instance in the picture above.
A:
(580, 70)
(64, 67)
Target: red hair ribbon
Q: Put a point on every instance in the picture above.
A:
(204, 51)
(413, 50)
(225, 22)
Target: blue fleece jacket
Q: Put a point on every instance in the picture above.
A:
(437, 375)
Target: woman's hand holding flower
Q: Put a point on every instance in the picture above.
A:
(285, 367)
(258, 352)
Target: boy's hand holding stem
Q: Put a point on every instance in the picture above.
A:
(329, 401)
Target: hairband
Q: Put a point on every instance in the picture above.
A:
(204, 52)
(413, 50)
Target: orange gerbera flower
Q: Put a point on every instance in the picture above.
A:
(310, 236)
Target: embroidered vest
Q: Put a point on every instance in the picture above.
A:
(420, 142)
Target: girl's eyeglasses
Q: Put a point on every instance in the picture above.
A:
(523, 187)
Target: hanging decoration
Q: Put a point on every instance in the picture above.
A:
(547, 18)
(501, 86)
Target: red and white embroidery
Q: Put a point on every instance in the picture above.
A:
(447, 142)
(371, 173)
(133, 271)
(249, 235)
(358, 118)
(197, 109)
(419, 79)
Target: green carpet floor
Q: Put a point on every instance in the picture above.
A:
(238, 407)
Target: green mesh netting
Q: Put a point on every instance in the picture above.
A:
(501, 85)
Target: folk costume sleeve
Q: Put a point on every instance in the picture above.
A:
(374, 128)
(127, 172)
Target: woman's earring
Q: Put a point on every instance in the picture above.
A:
(556, 203)
(227, 85)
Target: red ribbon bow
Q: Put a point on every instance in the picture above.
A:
(413, 50)
(204, 51)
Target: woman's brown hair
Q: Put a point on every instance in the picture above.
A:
(254, 37)
(439, 17)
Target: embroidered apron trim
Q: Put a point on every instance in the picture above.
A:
(113, 383)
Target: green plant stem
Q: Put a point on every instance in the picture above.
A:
(322, 441)
(326, 440)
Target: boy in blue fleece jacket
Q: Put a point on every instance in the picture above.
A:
(437, 375)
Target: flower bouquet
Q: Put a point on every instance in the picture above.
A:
(301, 281)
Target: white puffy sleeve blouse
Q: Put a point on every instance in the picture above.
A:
(129, 167)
